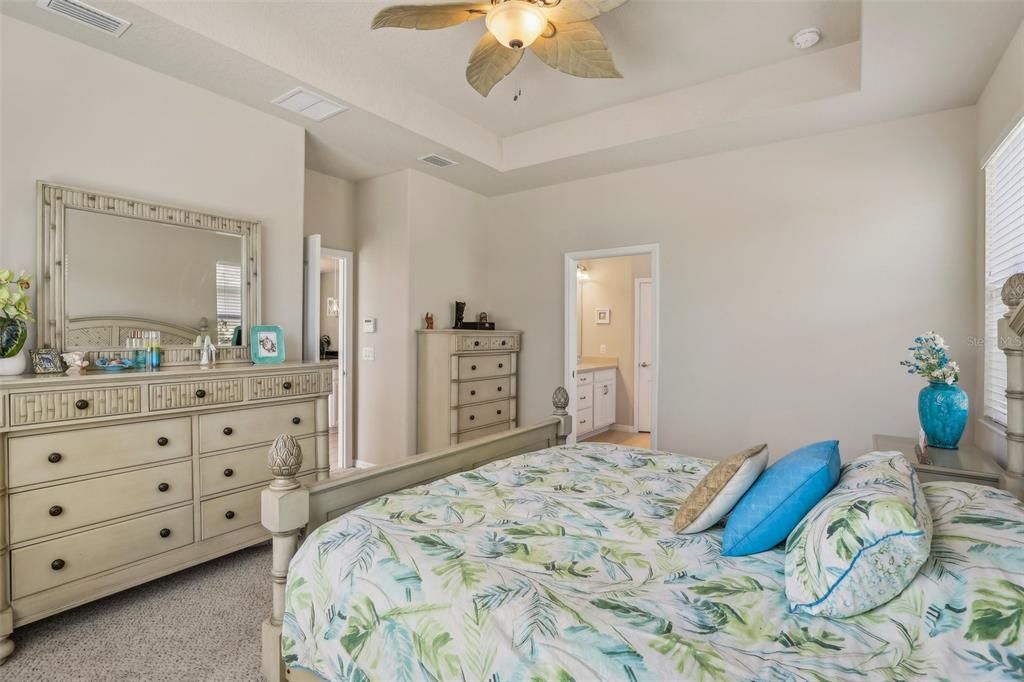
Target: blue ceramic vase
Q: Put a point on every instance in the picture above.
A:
(942, 409)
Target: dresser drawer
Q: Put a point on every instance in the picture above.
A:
(584, 396)
(256, 425)
(53, 456)
(487, 431)
(245, 467)
(237, 510)
(584, 420)
(485, 366)
(487, 389)
(504, 342)
(37, 513)
(194, 394)
(54, 406)
(584, 378)
(55, 562)
(284, 385)
(469, 343)
(481, 415)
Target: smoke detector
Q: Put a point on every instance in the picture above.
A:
(86, 14)
(808, 37)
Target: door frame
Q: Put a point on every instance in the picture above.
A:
(637, 281)
(346, 342)
(570, 334)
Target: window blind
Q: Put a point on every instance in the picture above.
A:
(1004, 256)
(229, 300)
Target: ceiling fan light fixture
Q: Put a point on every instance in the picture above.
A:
(516, 23)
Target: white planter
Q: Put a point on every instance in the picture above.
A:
(13, 366)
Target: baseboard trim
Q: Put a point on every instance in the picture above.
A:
(624, 428)
(363, 464)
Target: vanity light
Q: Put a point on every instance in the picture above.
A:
(581, 272)
(516, 23)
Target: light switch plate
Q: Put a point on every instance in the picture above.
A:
(368, 353)
(604, 349)
(369, 325)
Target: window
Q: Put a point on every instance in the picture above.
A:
(1004, 255)
(229, 301)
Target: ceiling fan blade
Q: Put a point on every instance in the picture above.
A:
(577, 49)
(569, 11)
(429, 17)
(490, 62)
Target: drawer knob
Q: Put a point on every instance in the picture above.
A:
(162, 441)
(500, 365)
(287, 385)
(57, 564)
(229, 472)
(472, 417)
(56, 510)
(228, 430)
(164, 487)
(229, 514)
(200, 393)
(296, 420)
(504, 342)
(583, 421)
(499, 389)
(165, 532)
(472, 392)
(473, 367)
(499, 411)
(476, 343)
(81, 403)
(54, 457)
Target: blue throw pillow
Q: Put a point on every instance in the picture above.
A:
(778, 500)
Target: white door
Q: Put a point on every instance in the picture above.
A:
(644, 357)
(311, 299)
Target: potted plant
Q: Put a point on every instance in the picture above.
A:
(15, 314)
(942, 406)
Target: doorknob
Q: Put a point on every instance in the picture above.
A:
(645, 364)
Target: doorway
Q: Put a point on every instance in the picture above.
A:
(611, 351)
(327, 337)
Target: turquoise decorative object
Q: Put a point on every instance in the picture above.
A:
(266, 344)
(943, 410)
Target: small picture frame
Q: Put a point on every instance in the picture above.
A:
(266, 344)
(603, 316)
(47, 361)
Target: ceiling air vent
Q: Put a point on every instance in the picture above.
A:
(438, 161)
(85, 14)
(309, 104)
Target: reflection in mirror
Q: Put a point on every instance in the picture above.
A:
(582, 275)
(123, 275)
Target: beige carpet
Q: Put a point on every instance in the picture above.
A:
(202, 624)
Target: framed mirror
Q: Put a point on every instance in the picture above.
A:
(112, 267)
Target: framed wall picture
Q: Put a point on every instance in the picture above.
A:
(266, 343)
(603, 315)
(47, 361)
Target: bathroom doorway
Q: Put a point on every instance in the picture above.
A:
(327, 337)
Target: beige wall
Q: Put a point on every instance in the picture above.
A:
(330, 210)
(793, 277)
(74, 115)
(611, 285)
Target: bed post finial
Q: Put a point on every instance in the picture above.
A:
(1010, 342)
(285, 512)
(560, 399)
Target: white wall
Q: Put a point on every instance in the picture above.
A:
(793, 277)
(330, 210)
(74, 115)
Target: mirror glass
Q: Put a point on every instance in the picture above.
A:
(123, 275)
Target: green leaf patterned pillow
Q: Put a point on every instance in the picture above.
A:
(863, 542)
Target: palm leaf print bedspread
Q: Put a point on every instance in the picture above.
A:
(561, 565)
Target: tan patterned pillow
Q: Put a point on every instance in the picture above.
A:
(716, 494)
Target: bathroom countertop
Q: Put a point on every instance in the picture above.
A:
(592, 364)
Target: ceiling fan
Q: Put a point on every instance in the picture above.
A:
(558, 31)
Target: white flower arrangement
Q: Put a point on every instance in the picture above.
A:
(930, 360)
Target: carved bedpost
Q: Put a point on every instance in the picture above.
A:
(1011, 327)
(285, 511)
(560, 399)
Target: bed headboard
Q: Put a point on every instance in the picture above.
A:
(1011, 341)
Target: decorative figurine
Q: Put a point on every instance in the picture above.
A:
(460, 314)
(76, 363)
(429, 320)
(482, 317)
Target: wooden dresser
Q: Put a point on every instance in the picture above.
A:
(466, 386)
(110, 480)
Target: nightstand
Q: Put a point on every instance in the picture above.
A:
(966, 464)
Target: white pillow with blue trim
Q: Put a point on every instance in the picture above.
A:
(863, 543)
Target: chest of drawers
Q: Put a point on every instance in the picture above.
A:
(466, 387)
(107, 481)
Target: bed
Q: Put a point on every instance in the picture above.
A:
(561, 565)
